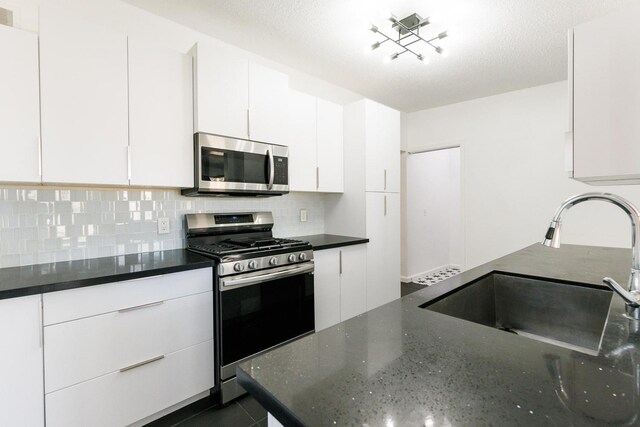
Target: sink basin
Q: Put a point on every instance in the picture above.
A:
(566, 314)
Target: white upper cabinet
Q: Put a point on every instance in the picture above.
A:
(160, 115)
(268, 104)
(603, 74)
(382, 136)
(221, 91)
(302, 142)
(21, 361)
(330, 147)
(238, 98)
(19, 106)
(315, 144)
(84, 101)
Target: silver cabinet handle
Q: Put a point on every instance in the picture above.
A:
(138, 307)
(271, 169)
(385, 180)
(129, 162)
(317, 177)
(385, 205)
(137, 365)
(41, 325)
(340, 262)
(248, 123)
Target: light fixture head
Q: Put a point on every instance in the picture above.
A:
(440, 50)
(443, 34)
(394, 56)
(375, 46)
(393, 19)
(373, 28)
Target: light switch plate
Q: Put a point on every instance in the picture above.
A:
(163, 225)
(303, 215)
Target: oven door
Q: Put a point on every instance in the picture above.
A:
(262, 310)
(236, 165)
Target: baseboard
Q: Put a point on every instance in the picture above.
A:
(171, 409)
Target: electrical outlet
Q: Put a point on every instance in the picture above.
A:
(303, 215)
(163, 225)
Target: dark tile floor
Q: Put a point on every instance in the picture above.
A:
(409, 287)
(244, 412)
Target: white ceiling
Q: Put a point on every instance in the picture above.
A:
(495, 46)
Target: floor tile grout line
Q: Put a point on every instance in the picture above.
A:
(243, 408)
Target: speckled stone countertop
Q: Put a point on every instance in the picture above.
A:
(58, 276)
(330, 241)
(400, 365)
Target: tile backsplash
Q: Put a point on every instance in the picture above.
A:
(47, 224)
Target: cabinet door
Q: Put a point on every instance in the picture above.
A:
(22, 390)
(160, 116)
(83, 73)
(326, 288)
(221, 91)
(383, 259)
(19, 106)
(302, 142)
(382, 148)
(330, 147)
(353, 281)
(607, 97)
(268, 104)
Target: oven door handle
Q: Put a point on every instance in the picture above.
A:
(228, 283)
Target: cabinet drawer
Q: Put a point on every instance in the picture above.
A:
(121, 398)
(87, 348)
(93, 300)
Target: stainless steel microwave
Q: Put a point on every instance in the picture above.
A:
(238, 167)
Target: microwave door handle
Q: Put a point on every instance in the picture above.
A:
(271, 169)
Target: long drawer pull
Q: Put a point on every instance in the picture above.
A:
(137, 365)
(138, 307)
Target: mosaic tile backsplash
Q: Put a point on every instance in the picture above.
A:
(44, 224)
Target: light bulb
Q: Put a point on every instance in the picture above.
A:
(373, 28)
(374, 46)
(392, 18)
(443, 34)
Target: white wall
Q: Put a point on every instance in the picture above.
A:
(513, 175)
(432, 211)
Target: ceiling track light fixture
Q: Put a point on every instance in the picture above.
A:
(408, 33)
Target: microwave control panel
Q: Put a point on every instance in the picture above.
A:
(281, 170)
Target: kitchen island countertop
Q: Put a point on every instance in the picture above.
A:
(401, 365)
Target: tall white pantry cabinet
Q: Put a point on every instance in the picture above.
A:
(370, 206)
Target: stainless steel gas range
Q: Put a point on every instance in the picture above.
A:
(263, 288)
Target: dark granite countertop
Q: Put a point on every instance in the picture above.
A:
(58, 276)
(330, 241)
(400, 365)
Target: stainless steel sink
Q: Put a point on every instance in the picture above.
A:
(565, 314)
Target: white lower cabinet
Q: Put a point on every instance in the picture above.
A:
(21, 393)
(124, 397)
(339, 284)
(120, 352)
(383, 250)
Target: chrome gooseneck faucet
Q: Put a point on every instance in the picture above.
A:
(631, 295)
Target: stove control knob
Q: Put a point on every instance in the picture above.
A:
(302, 256)
(238, 267)
(273, 261)
(292, 258)
(252, 265)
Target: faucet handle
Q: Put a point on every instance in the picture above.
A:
(631, 299)
(628, 297)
